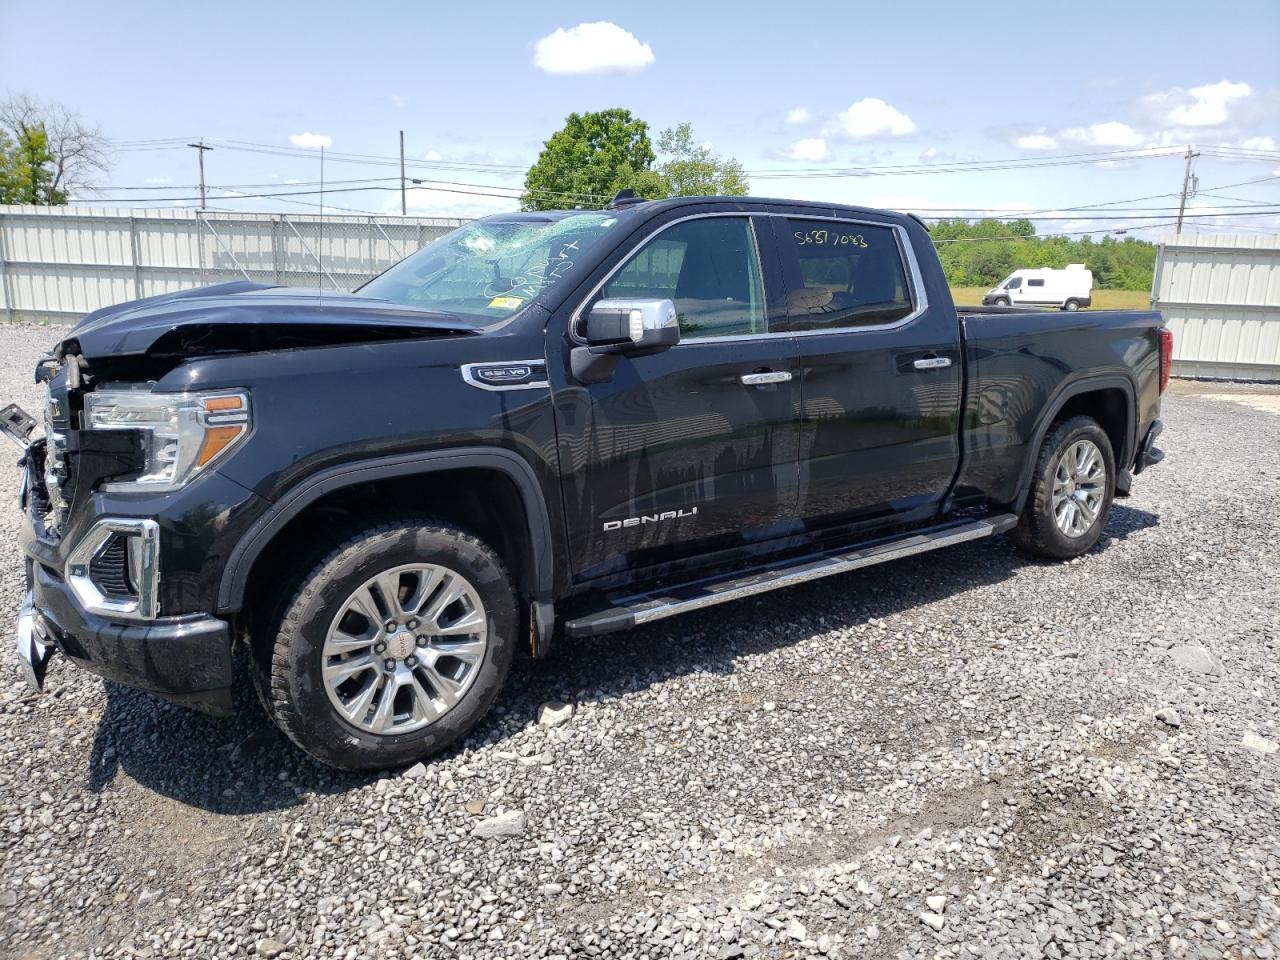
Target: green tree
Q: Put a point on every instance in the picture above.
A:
(591, 158)
(983, 252)
(694, 171)
(26, 174)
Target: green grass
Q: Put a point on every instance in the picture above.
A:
(1102, 299)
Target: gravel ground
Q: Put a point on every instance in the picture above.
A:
(965, 754)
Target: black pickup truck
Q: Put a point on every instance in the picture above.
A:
(572, 422)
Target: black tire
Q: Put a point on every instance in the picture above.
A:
(1001, 301)
(1038, 531)
(1071, 306)
(290, 647)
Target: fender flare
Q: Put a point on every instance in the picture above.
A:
(235, 575)
(1074, 388)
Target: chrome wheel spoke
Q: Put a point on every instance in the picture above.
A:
(424, 707)
(358, 706)
(384, 713)
(365, 604)
(470, 651)
(447, 690)
(343, 670)
(451, 591)
(469, 623)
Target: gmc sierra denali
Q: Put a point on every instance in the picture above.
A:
(558, 422)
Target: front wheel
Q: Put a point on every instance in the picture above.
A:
(1001, 301)
(392, 647)
(1072, 486)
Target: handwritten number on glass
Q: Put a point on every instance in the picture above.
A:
(830, 238)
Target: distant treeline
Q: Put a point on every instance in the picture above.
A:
(1008, 245)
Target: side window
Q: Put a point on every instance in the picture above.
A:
(850, 275)
(1035, 283)
(708, 267)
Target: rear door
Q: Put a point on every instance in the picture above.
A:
(881, 372)
(677, 455)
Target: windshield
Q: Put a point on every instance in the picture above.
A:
(490, 268)
(1013, 283)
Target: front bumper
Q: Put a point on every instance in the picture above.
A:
(184, 659)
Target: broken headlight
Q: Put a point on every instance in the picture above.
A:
(182, 433)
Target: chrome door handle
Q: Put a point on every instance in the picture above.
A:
(932, 363)
(769, 376)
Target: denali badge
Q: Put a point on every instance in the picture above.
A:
(649, 518)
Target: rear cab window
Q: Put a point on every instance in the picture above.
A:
(842, 274)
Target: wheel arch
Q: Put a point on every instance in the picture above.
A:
(1110, 399)
(528, 548)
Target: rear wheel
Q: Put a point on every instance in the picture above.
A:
(1071, 305)
(391, 647)
(1072, 487)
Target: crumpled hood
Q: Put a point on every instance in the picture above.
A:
(246, 316)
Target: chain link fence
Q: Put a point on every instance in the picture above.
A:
(59, 263)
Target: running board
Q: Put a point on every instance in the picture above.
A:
(635, 609)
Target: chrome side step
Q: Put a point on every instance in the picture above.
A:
(635, 609)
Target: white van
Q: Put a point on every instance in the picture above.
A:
(1069, 289)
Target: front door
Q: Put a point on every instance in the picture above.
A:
(882, 377)
(677, 456)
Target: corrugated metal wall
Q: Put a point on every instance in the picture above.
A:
(1221, 297)
(59, 263)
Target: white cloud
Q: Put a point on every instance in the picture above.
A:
(1252, 143)
(798, 115)
(432, 155)
(312, 140)
(811, 148)
(600, 47)
(158, 181)
(1113, 133)
(292, 180)
(872, 117)
(1204, 106)
(1036, 141)
(397, 100)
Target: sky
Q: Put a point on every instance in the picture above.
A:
(929, 107)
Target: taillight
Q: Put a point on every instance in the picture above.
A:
(1166, 356)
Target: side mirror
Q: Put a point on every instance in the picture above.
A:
(633, 327)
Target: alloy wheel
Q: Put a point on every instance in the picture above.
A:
(404, 648)
(1079, 488)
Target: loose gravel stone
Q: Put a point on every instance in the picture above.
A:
(1169, 717)
(509, 824)
(553, 713)
(933, 921)
(967, 724)
(1196, 659)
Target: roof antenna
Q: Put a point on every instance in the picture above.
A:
(625, 197)
(320, 239)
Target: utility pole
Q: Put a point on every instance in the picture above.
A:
(200, 148)
(1189, 184)
(403, 209)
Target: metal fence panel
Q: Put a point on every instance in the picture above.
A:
(1220, 295)
(59, 263)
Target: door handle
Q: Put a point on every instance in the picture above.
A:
(932, 363)
(768, 376)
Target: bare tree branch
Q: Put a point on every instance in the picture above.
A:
(80, 153)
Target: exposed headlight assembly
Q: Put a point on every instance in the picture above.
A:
(182, 433)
